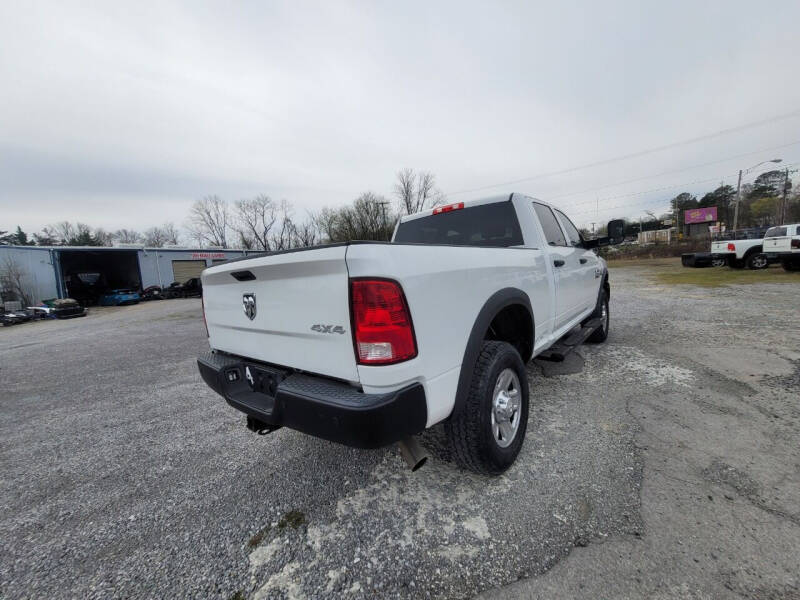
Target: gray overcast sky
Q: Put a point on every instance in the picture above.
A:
(121, 114)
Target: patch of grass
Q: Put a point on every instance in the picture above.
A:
(669, 271)
(293, 519)
(644, 262)
(258, 537)
(723, 276)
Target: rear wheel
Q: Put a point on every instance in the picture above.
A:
(487, 434)
(718, 262)
(791, 264)
(757, 261)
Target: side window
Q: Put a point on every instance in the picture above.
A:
(552, 231)
(573, 235)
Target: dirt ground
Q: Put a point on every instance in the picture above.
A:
(664, 463)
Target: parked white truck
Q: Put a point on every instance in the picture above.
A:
(784, 240)
(369, 343)
(757, 253)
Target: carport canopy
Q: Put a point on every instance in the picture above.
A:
(87, 273)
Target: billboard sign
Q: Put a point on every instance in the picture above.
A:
(700, 215)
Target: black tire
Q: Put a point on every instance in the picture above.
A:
(756, 261)
(791, 264)
(735, 263)
(601, 311)
(470, 432)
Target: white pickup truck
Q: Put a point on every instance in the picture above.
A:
(784, 240)
(740, 253)
(779, 243)
(369, 343)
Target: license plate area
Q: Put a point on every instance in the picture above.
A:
(254, 386)
(263, 380)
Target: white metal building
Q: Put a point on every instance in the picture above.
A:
(49, 270)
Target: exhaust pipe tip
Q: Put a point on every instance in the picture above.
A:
(414, 454)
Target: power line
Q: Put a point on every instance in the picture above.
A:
(645, 152)
(662, 201)
(697, 166)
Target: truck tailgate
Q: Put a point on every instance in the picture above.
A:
(302, 310)
(778, 244)
(719, 247)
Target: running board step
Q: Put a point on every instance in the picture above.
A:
(559, 351)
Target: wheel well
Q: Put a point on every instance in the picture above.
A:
(513, 324)
(753, 250)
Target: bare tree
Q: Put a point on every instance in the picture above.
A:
(254, 219)
(325, 221)
(368, 218)
(416, 191)
(127, 236)
(154, 237)
(158, 237)
(64, 231)
(282, 233)
(13, 283)
(306, 234)
(171, 234)
(209, 220)
(103, 237)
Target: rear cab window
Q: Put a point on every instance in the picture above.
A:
(775, 232)
(552, 230)
(489, 225)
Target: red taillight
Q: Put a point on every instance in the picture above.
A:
(731, 248)
(203, 304)
(448, 208)
(796, 244)
(382, 330)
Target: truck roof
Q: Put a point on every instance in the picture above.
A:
(469, 203)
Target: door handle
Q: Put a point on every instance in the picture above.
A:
(558, 262)
(583, 261)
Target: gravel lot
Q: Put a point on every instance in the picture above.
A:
(664, 463)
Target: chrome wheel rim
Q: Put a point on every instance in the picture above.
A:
(506, 403)
(604, 316)
(718, 262)
(760, 261)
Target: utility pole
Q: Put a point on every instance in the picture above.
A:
(739, 188)
(383, 211)
(736, 206)
(785, 191)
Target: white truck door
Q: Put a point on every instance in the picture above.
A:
(567, 268)
(588, 263)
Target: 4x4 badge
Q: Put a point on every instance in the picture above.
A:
(327, 328)
(249, 305)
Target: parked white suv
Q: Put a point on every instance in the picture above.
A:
(369, 343)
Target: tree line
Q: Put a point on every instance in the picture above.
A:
(761, 203)
(259, 223)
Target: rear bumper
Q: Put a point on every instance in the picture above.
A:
(321, 407)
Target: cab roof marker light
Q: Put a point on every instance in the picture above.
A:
(448, 208)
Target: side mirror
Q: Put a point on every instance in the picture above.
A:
(616, 231)
(616, 235)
